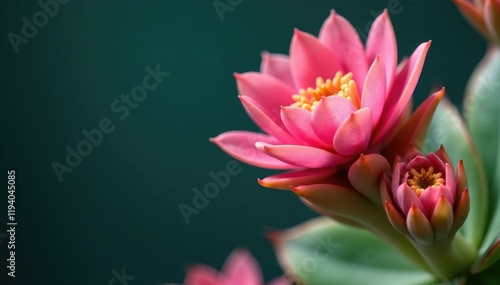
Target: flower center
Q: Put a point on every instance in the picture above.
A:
(420, 181)
(340, 85)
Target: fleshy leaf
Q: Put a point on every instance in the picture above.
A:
(482, 111)
(325, 252)
(491, 256)
(490, 250)
(448, 129)
(489, 276)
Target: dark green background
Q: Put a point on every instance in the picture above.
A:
(118, 208)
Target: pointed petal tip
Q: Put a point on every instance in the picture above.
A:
(388, 204)
(268, 184)
(299, 191)
(386, 13)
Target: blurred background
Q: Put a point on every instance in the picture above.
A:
(117, 208)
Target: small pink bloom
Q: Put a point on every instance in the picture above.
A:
(425, 199)
(240, 268)
(326, 103)
(484, 15)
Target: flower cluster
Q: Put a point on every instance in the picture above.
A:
(337, 115)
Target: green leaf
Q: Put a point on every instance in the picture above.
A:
(482, 112)
(491, 255)
(324, 252)
(448, 129)
(489, 276)
(490, 250)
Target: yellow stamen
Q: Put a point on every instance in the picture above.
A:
(420, 181)
(341, 85)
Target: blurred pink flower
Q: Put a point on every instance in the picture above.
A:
(484, 15)
(425, 199)
(240, 268)
(328, 102)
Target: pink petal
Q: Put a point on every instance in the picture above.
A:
(441, 153)
(298, 123)
(242, 269)
(353, 135)
(341, 37)
(366, 173)
(272, 126)
(431, 196)
(438, 164)
(283, 181)
(414, 130)
(381, 40)
(277, 66)
(268, 92)
(451, 183)
(418, 163)
(302, 156)
(202, 275)
(406, 198)
(374, 90)
(329, 114)
(396, 178)
(241, 145)
(401, 92)
(309, 59)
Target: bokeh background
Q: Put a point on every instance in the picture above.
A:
(119, 207)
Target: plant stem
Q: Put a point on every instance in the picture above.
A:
(451, 259)
(380, 225)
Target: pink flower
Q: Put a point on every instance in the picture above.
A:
(484, 15)
(425, 199)
(328, 102)
(240, 268)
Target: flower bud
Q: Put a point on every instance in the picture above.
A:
(425, 199)
(484, 16)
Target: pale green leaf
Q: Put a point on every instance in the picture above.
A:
(482, 112)
(324, 252)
